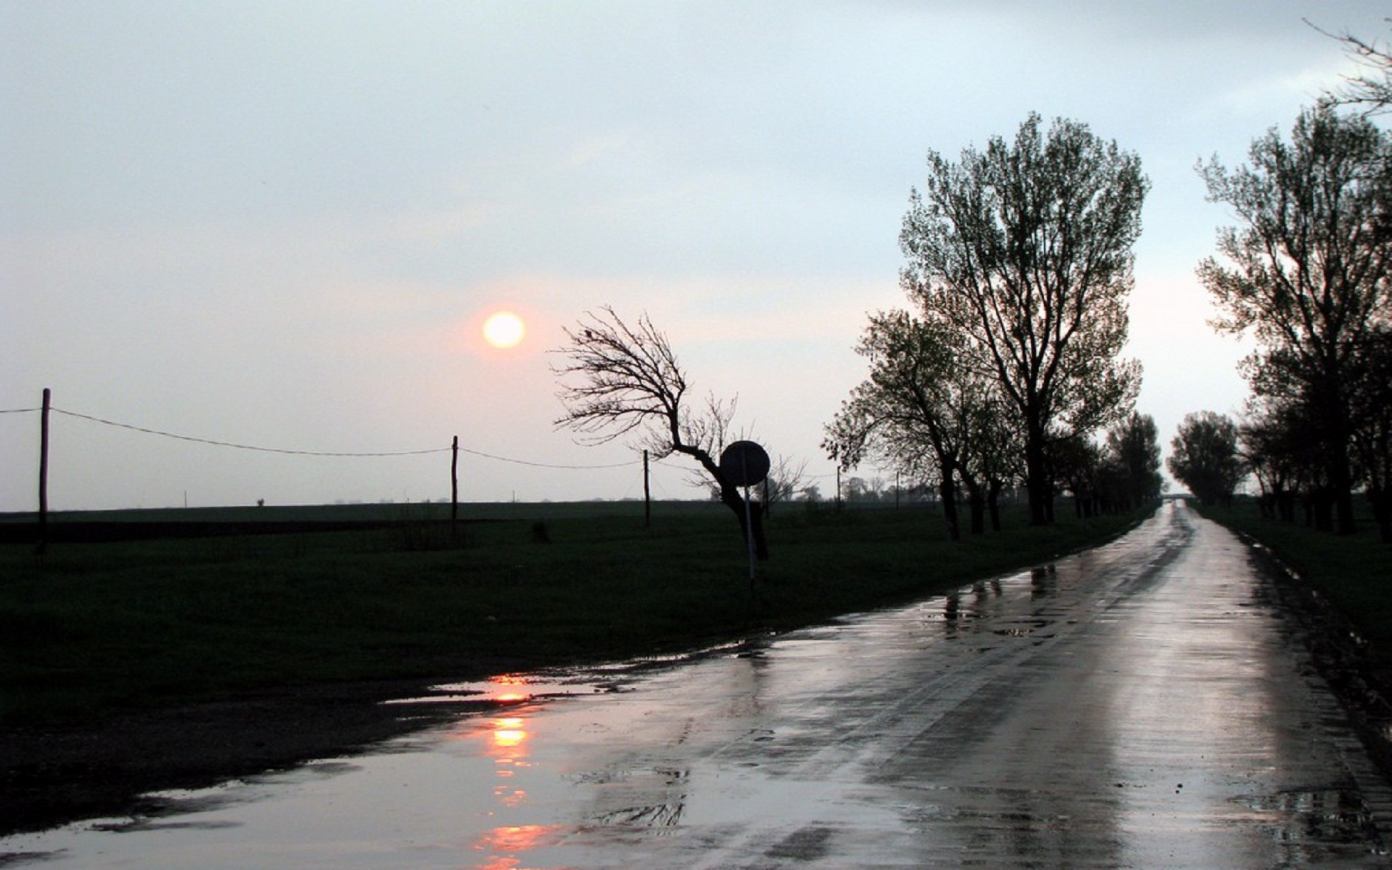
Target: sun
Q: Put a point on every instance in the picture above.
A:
(503, 329)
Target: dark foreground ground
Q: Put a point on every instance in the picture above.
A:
(1153, 702)
(52, 774)
(293, 629)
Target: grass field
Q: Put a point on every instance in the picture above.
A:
(97, 625)
(1354, 573)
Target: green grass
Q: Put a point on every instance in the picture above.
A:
(1352, 572)
(100, 625)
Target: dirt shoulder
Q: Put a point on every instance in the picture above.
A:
(54, 775)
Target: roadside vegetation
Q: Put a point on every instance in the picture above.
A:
(98, 626)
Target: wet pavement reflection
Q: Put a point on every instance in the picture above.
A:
(1140, 705)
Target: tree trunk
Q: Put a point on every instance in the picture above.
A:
(1343, 506)
(947, 490)
(1338, 469)
(976, 501)
(1037, 481)
(733, 498)
(993, 505)
(1324, 510)
(1382, 512)
(1285, 505)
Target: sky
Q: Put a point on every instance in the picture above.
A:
(283, 224)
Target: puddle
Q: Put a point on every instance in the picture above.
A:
(505, 690)
(1022, 628)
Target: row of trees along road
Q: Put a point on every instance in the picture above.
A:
(1306, 272)
(1019, 266)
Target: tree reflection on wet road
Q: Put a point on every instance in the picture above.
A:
(1143, 704)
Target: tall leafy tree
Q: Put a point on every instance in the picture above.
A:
(1307, 270)
(1203, 456)
(994, 454)
(1025, 249)
(917, 408)
(1274, 440)
(1133, 446)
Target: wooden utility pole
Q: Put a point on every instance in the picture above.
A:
(647, 494)
(454, 484)
(43, 471)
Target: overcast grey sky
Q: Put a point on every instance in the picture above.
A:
(282, 224)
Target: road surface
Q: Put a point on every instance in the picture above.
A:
(1145, 704)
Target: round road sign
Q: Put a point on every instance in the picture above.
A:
(744, 463)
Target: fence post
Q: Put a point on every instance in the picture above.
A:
(647, 494)
(43, 472)
(454, 483)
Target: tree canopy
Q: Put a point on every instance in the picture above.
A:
(1025, 251)
(1204, 456)
(916, 409)
(1306, 272)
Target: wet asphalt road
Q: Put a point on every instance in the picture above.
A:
(1140, 705)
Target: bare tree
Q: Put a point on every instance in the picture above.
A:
(623, 381)
(785, 480)
(1372, 89)
(1025, 249)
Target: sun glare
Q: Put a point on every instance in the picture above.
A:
(503, 329)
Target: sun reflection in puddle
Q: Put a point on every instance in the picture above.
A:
(505, 843)
(502, 690)
(508, 689)
(506, 740)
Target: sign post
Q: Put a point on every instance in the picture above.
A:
(745, 464)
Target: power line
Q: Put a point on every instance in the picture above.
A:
(258, 449)
(631, 462)
(19, 410)
(237, 446)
